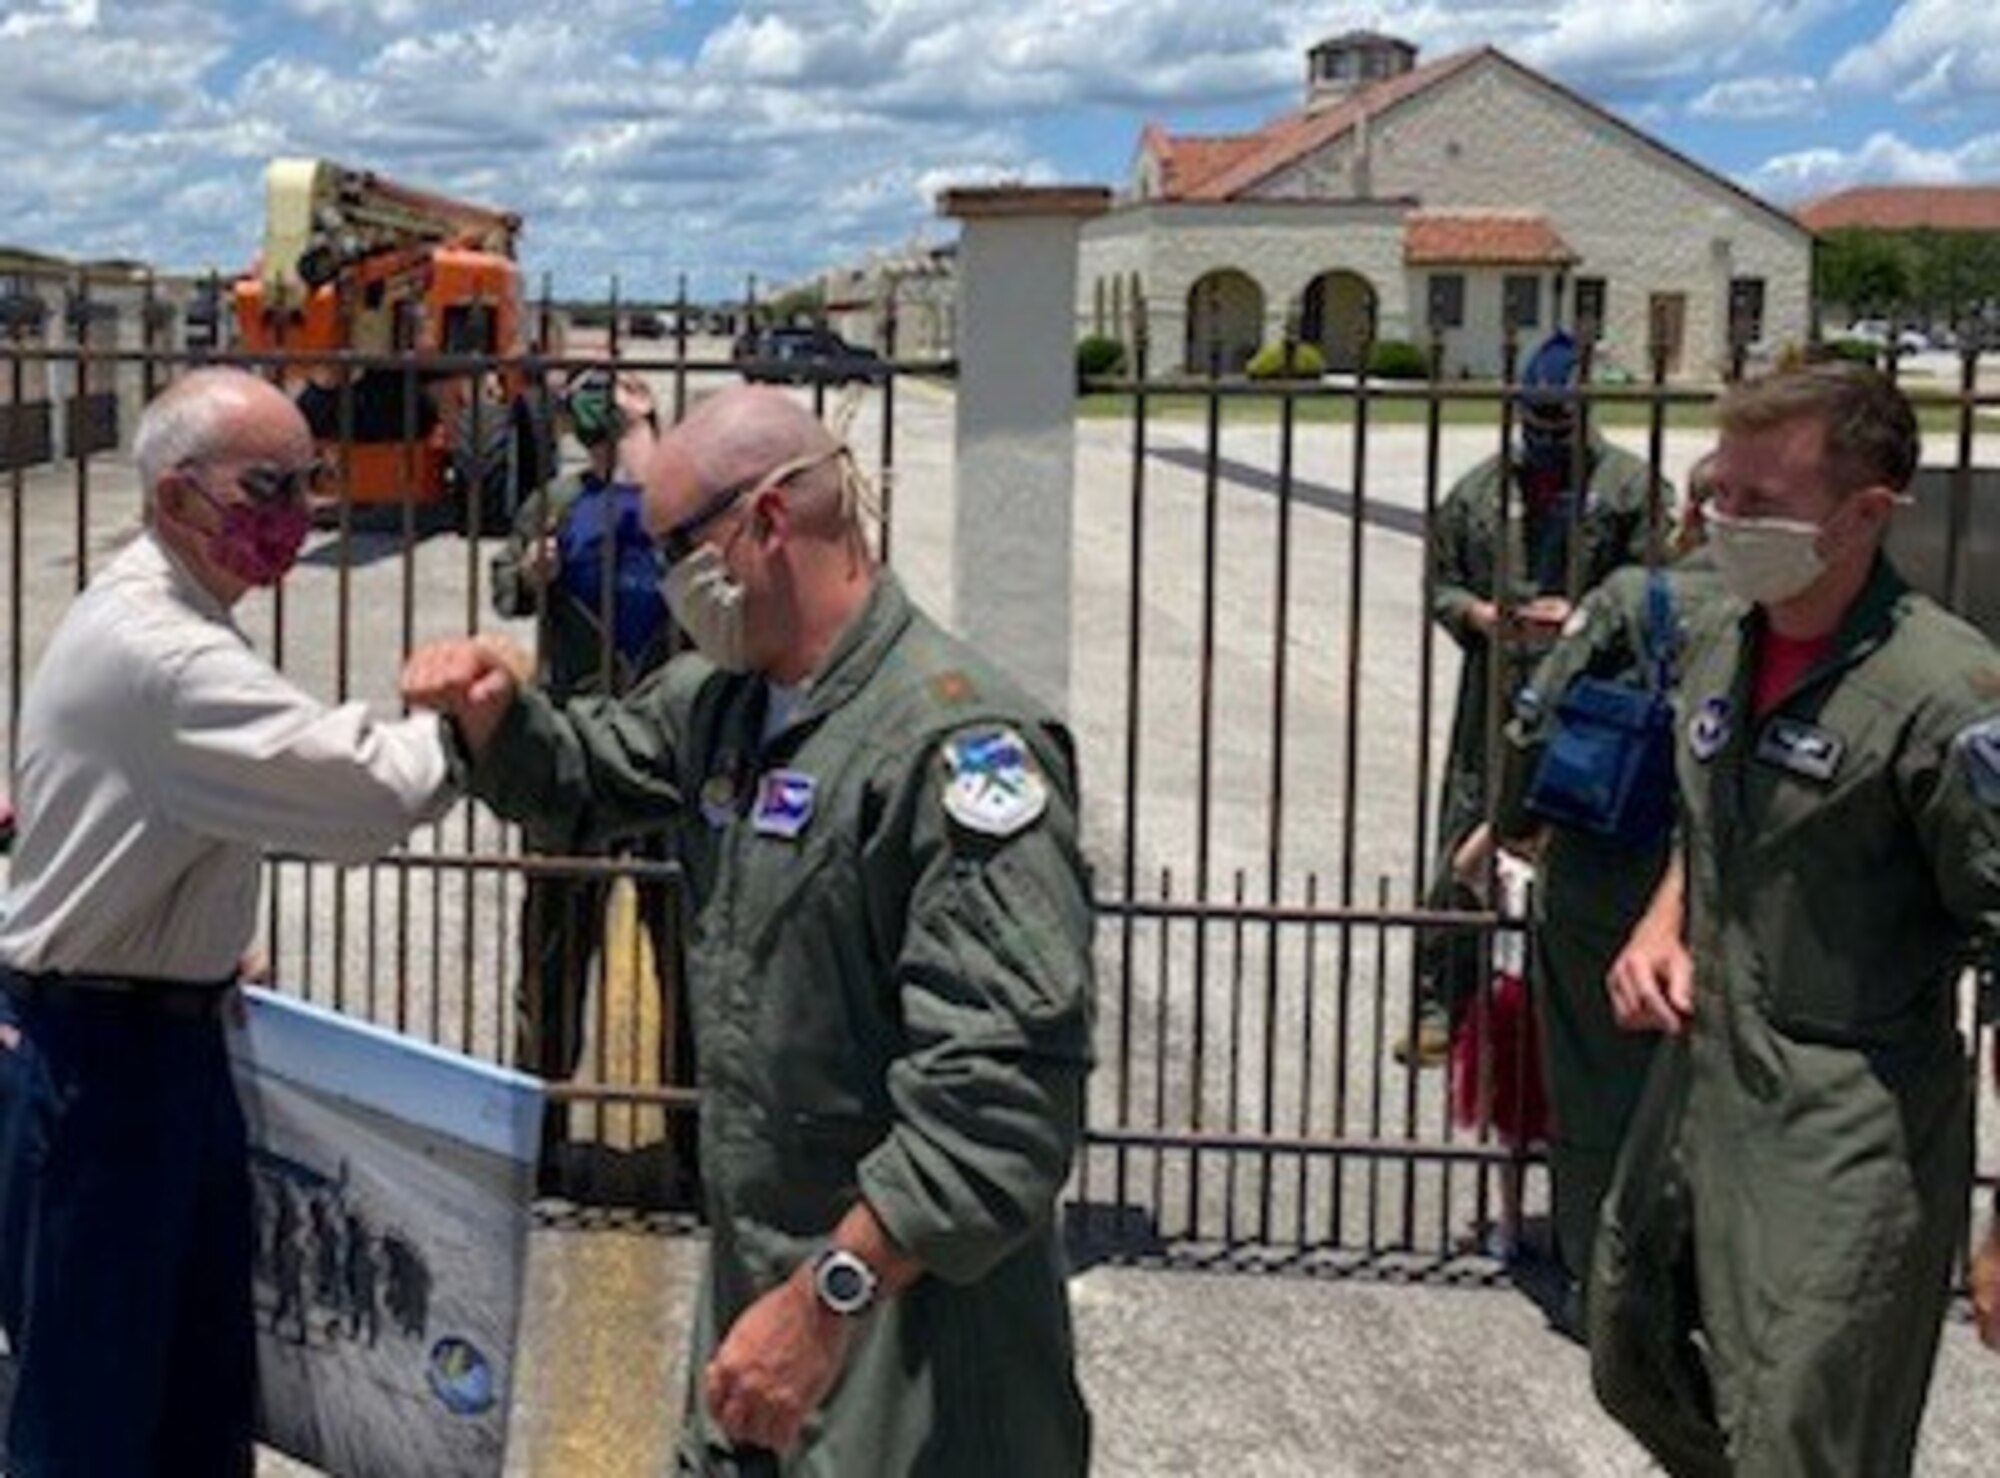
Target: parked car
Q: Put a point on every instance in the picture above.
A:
(1879, 331)
(804, 356)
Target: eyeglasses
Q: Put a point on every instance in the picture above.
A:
(678, 542)
(266, 485)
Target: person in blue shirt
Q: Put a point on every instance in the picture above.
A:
(580, 562)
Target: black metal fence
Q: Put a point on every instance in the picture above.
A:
(1261, 711)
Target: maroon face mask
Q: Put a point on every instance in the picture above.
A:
(258, 543)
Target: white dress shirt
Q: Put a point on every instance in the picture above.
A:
(160, 758)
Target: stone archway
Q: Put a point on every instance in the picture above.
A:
(1337, 312)
(1225, 321)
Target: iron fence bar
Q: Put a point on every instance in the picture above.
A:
(1134, 652)
(1380, 1040)
(1465, 1152)
(1958, 516)
(17, 561)
(1350, 762)
(1309, 983)
(1163, 972)
(1205, 761)
(1292, 913)
(1275, 812)
(79, 443)
(1234, 1076)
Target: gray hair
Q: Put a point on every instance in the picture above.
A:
(188, 421)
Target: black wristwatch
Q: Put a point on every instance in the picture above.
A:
(844, 1283)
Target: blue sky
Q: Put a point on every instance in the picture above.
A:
(646, 138)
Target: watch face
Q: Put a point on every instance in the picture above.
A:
(845, 1283)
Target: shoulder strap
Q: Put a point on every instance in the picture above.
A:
(1662, 639)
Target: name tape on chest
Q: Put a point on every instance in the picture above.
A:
(1979, 750)
(1800, 749)
(991, 784)
(784, 805)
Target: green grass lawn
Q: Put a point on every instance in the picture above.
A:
(1466, 405)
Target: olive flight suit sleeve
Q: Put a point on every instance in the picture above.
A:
(534, 521)
(1953, 782)
(994, 981)
(1447, 543)
(599, 770)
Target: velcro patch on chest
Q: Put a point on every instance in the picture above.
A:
(1979, 749)
(991, 784)
(1800, 748)
(784, 803)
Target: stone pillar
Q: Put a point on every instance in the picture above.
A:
(1016, 425)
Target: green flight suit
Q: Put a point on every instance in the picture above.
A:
(1590, 891)
(890, 1002)
(1464, 544)
(562, 916)
(1843, 853)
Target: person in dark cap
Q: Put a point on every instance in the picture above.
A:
(1573, 508)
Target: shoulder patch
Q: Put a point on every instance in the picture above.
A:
(1985, 683)
(991, 783)
(1979, 751)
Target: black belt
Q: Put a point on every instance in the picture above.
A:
(186, 999)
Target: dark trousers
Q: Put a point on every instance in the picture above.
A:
(125, 1242)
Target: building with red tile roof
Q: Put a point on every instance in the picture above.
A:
(1467, 197)
(1905, 208)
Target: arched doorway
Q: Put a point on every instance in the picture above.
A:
(1337, 313)
(1225, 321)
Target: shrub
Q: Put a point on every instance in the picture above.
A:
(1305, 362)
(1860, 351)
(1398, 359)
(1097, 355)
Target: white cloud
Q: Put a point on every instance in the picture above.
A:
(1932, 53)
(1884, 159)
(642, 137)
(1752, 98)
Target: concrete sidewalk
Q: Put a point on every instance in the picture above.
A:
(1188, 1371)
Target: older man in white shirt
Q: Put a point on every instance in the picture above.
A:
(160, 757)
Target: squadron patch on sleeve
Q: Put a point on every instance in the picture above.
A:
(991, 783)
(1979, 748)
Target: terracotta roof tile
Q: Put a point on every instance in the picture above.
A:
(1186, 160)
(1482, 239)
(1291, 138)
(1906, 208)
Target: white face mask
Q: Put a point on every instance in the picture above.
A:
(708, 604)
(1766, 561)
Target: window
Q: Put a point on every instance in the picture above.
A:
(1746, 310)
(1521, 301)
(1589, 309)
(1447, 301)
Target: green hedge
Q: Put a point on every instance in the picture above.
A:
(1860, 351)
(1271, 363)
(1097, 355)
(1397, 359)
